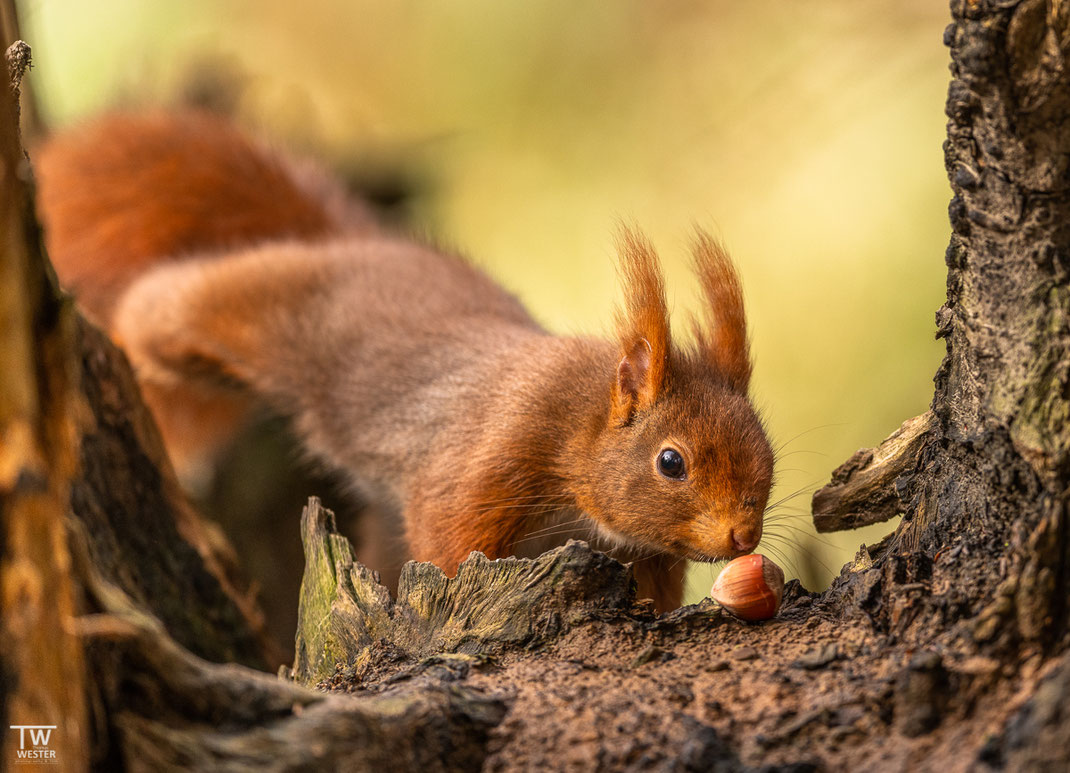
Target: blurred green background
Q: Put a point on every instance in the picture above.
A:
(807, 134)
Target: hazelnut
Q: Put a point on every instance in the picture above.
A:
(750, 587)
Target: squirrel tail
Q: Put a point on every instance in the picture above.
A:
(127, 192)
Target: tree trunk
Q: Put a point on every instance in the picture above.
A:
(41, 667)
(942, 647)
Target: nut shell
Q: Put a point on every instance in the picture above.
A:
(750, 587)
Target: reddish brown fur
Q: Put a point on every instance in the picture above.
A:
(121, 195)
(642, 327)
(211, 188)
(724, 338)
(426, 382)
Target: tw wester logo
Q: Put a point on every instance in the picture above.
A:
(33, 744)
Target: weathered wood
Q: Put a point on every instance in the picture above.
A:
(144, 535)
(118, 483)
(995, 474)
(19, 62)
(1037, 734)
(865, 489)
(489, 606)
(857, 670)
(168, 710)
(42, 675)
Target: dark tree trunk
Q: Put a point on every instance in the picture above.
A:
(942, 647)
(995, 476)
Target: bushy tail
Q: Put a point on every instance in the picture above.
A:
(129, 195)
(127, 192)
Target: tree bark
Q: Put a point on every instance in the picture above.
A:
(42, 673)
(942, 647)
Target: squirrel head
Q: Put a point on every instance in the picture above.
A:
(683, 463)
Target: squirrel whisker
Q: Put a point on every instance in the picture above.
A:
(524, 509)
(809, 535)
(786, 443)
(788, 543)
(569, 530)
(557, 525)
(782, 557)
(798, 492)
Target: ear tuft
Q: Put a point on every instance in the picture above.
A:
(642, 327)
(723, 340)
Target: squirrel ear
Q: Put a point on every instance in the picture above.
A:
(633, 381)
(642, 328)
(723, 341)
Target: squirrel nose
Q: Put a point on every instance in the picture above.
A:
(745, 540)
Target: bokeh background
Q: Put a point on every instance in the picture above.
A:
(807, 134)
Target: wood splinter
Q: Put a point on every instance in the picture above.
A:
(862, 490)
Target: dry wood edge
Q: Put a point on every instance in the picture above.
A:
(19, 61)
(864, 490)
(166, 709)
(41, 667)
(488, 607)
(351, 629)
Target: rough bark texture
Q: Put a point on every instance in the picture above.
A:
(944, 647)
(996, 476)
(41, 667)
(167, 709)
(143, 535)
(592, 678)
(78, 451)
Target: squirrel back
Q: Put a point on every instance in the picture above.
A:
(226, 277)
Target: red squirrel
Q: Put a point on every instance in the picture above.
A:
(228, 272)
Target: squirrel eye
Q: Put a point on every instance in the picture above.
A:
(671, 464)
